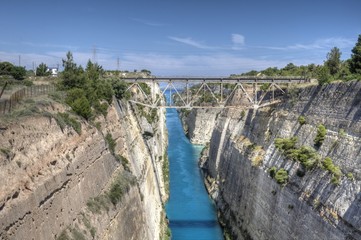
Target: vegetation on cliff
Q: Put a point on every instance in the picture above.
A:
(306, 156)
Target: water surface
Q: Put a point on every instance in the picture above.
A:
(190, 211)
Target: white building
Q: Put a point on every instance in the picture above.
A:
(53, 71)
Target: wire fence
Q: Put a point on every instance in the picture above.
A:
(7, 105)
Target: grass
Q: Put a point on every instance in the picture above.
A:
(165, 170)
(98, 204)
(111, 142)
(118, 188)
(63, 236)
(123, 160)
(64, 120)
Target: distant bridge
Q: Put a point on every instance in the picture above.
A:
(193, 92)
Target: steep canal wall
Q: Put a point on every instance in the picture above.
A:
(65, 178)
(273, 178)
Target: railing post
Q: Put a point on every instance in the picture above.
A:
(187, 91)
(221, 91)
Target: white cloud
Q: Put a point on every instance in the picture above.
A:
(238, 41)
(189, 41)
(326, 43)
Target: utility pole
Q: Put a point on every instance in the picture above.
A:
(118, 64)
(94, 54)
(19, 60)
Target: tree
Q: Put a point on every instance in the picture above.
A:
(355, 63)
(6, 68)
(73, 76)
(323, 75)
(18, 72)
(93, 70)
(42, 70)
(333, 61)
(271, 71)
(69, 64)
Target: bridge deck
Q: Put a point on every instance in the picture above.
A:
(220, 80)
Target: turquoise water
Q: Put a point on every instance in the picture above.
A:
(190, 211)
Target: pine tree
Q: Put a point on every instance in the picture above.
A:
(333, 61)
(355, 63)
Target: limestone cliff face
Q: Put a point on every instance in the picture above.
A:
(56, 183)
(199, 123)
(310, 205)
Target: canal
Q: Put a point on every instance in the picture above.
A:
(191, 213)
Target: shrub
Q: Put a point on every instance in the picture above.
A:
(64, 119)
(82, 107)
(111, 142)
(350, 176)
(115, 194)
(341, 133)
(120, 88)
(124, 161)
(281, 176)
(327, 163)
(301, 120)
(307, 156)
(320, 137)
(272, 171)
(286, 144)
(120, 186)
(243, 114)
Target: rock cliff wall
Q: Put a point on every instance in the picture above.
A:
(104, 183)
(315, 203)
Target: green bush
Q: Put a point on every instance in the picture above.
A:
(82, 107)
(301, 120)
(272, 171)
(281, 176)
(307, 156)
(286, 144)
(350, 176)
(327, 163)
(320, 137)
(120, 88)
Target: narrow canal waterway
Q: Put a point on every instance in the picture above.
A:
(190, 211)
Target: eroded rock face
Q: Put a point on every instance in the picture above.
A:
(199, 124)
(48, 177)
(242, 151)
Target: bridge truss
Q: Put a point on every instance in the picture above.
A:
(246, 92)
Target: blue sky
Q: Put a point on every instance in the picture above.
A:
(178, 38)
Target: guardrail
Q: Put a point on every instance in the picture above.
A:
(8, 104)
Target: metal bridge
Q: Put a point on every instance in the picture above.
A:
(193, 92)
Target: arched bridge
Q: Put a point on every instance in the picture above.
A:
(193, 92)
